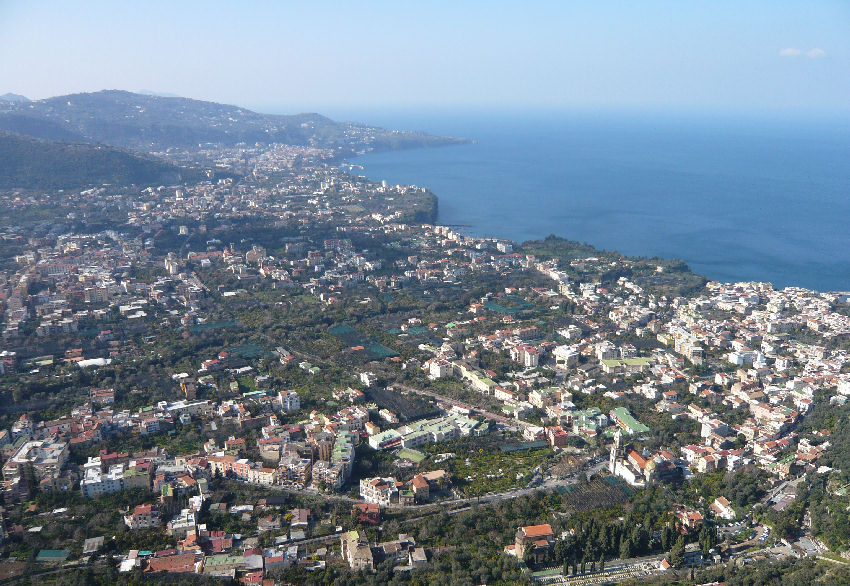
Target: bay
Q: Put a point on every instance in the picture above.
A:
(737, 197)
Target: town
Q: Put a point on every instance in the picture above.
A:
(292, 371)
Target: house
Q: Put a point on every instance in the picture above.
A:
(276, 560)
(368, 513)
(252, 559)
(268, 523)
(381, 491)
(143, 517)
(437, 479)
(541, 398)
(537, 539)
(223, 564)
(356, 551)
(92, 545)
(179, 563)
(300, 518)
(721, 508)
(533, 433)
(626, 421)
(420, 487)
(289, 401)
(417, 557)
(557, 436)
(565, 356)
(185, 523)
(689, 519)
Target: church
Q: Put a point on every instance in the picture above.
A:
(636, 469)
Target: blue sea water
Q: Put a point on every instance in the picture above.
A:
(738, 198)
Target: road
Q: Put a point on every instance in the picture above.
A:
(439, 505)
(547, 484)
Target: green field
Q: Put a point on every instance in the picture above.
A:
(411, 455)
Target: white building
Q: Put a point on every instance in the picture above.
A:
(368, 378)
(565, 356)
(183, 524)
(46, 457)
(289, 401)
(606, 350)
(381, 491)
(722, 508)
(439, 368)
(96, 483)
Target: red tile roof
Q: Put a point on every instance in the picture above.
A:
(184, 562)
(537, 530)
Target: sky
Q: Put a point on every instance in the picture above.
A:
(283, 56)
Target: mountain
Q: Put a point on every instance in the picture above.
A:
(13, 98)
(156, 123)
(30, 163)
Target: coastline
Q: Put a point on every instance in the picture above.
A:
(763, 226)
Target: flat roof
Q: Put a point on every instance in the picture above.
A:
(628, 420)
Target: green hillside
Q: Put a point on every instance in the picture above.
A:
(29, 163)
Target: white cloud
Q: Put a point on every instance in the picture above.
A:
(811, 54)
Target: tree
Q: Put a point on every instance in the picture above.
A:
(640, 539)
(666, 537)
(677, 554)
(30, 479)
(626, 547)
(602, 563)
(561, 550)
(707, 539)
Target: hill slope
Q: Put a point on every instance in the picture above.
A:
(29, 163)
(155, 123)
(13, 98)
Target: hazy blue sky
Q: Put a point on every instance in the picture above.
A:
(315, 55)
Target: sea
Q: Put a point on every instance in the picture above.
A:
(738, 197)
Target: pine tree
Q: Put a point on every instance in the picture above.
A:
(705, 546)
(666, 537)
(677, 554)
(626, 550)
